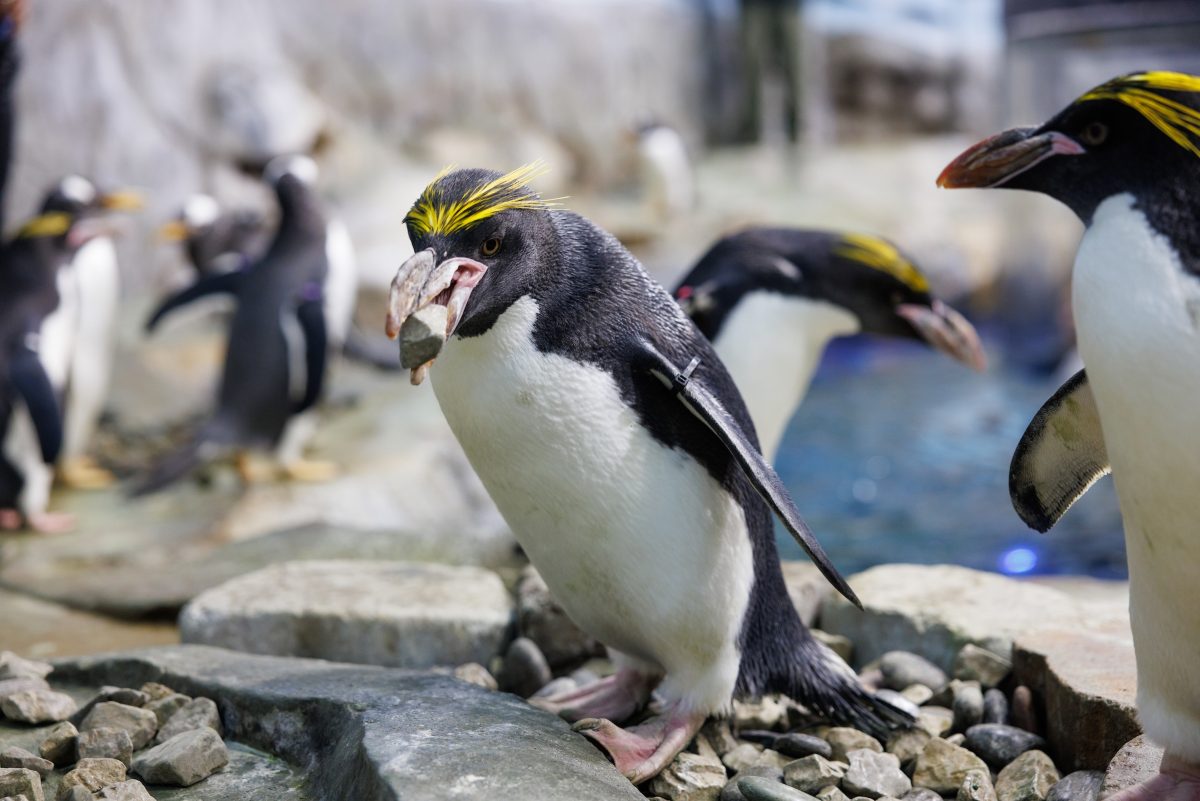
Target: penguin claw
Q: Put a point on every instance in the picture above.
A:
(641, 752)
(310, 471)
(83, 473)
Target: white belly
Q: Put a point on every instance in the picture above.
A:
(98, 284)
(1138, 315)
(639, 544)
(771, 344)
(341, 284)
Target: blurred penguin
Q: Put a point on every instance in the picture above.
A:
(665, 173)
(216, 240)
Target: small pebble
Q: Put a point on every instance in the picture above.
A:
(92, 774)
(760, 737)
(524, 670)
(689, 776)
(165, 706)
(899, 701)
(422, 335)
(917, 693)
(902, 668)
(871, 679)
(756, 788)
(977, 786)
(765, 713)
(107, 743)
(874, 774)
(995, 707)
(156, 691)
(184, 759)
(1022, 713)
(197, 713)
(907, 744)
(942, 767)
(832, 794)
(811, 773)
(75, 792)
(140, 723)
(14, 757)
(38, 706)
(999, 744)
(124, 695)
(741, 757)
(957, 739)
(843, 739)
(979, 664)
(936, 720)
(59, 745)
(21, 781)
(13, 666)
(1029, 777)
(10, 686)
(1082, 785)
(128, 790)
(921, 794)
(798, 745)
(968, 705)
(719, 735)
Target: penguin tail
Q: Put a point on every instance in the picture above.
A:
(177, 464)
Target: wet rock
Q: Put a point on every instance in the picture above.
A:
(998, 744)
(979, 664)
(130, 790)
(21, 781)
(995, 707)
(757, 788)
(842, 646)
(92, 775)
(937, 720)
(842, 740)
(13, 666)
(1137, 761)
(976, 786)
(765, 713)
(477, 674)
(400, 614)
(184, 759)
(942, 767)
(14, 757)
(1087, 684)
(730, 791)
(541, 619)
(1082, 785)
(156, 692)
(107, 743)
(719, 735)
(873, 774)
(811, 773)
(10, 686)
(968, 705)
(59, 744)
(907, 744)
(899, 701)
(902, 668)
(140, 723)
(689, 777)
(38, 706)
(917, 693)
(198, 713)
(1029, 777)
(524, 670)
(166, 706)
(1022, 713)
(797, 745)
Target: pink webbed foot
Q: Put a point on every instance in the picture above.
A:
(641, 752)
(1176, 781)
(615, 697)
(10, 520)
(51, 522)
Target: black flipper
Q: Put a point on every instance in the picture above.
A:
(1060, 456)
(311, 314)
(33, 385)
(762, 476)
(213, 284)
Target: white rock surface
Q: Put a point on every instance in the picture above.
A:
(398, 614)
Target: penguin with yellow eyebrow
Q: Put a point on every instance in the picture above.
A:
(1125, 157)
(771, 299)
(617, 448)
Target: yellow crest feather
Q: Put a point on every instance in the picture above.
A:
(51, 223)
(879, 254)
(434, 213)
(1140, 91)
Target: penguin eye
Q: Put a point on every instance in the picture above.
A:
(490, 246)
(1094, 134)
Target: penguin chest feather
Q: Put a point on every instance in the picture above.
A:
(639, 544)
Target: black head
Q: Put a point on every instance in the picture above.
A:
(1139, 133)
(72, 211)
(489, 240)
(865, 275)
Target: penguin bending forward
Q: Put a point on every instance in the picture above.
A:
(216, 241)
(1125, 157)
(618, 450)
(275, 361)
(771, 299)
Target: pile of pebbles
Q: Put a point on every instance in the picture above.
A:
(975, 738)
(152, 732)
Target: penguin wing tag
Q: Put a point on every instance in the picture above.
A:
(228, 283)
(1060, 456)
(33, 385)
(700, 402)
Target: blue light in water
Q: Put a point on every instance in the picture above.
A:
(1018, 560)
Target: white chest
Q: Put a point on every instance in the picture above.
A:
(771, 345)
(634, 539)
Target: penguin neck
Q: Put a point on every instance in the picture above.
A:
(772, 345)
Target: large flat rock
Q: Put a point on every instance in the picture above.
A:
(934, 610)
(397, 614)
(376, 734)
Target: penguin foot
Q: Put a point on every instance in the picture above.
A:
(11, 520)
(309, 471)
(82, 472)
(1176, 781)
(50, 522)
(614, 697)
(641, 752)
(252, 469)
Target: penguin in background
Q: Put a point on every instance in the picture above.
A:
(215, 240)
(771, 299)
(279, 338)
(617, 448)
(665, 171)
(1125, 157)
(90, 293)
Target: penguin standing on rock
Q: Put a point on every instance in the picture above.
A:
(618, 450)
(275, 362)
(1125, 157)
(771, 299)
